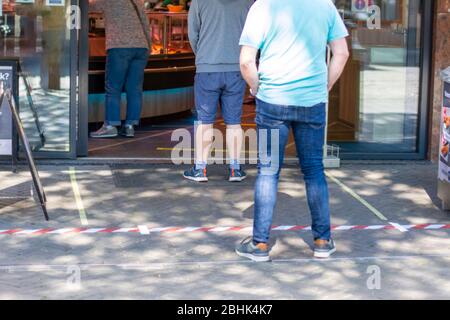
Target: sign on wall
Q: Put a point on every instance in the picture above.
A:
(444, 156)
(447, 95)
(56, 3)
(6, 135)
(360, 5)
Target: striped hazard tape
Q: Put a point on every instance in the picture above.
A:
(144, 230)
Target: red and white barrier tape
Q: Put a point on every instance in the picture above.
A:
(145, 230)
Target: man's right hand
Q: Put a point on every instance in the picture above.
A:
(254, 91)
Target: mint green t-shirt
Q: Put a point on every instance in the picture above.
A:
(293, 36)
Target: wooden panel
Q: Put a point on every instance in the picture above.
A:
(344, 105)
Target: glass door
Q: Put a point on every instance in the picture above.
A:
(39, 35)
(375, 109)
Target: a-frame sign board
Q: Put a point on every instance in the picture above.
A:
(7, 76)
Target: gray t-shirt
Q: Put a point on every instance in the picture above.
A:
(123, 28)
(215, 27)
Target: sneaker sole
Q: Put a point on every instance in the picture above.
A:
(237, 179)
(196, 179)
(253, 257)
(127, 136)
(324, 255)
(105, 137)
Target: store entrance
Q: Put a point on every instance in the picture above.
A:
(168, 108)
(375, 110)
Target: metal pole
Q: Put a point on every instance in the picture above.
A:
(28, 154)
(330, 155)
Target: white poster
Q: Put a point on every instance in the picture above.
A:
(56, 3)
(6, 75)
(25, 1)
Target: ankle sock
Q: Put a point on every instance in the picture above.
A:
(235, 165)
(200, 165)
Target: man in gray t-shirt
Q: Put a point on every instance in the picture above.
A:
(215, 27)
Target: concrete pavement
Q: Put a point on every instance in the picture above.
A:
(370, 264)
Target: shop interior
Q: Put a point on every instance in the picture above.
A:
(168, 89)
(365, 114)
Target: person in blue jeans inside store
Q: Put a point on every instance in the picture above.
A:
(291, 87)
(215, 27)
(128, 44)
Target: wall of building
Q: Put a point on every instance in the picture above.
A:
(441, 60)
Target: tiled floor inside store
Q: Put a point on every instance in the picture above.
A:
(154, 138)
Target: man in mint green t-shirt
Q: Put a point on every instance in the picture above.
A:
(291, 87)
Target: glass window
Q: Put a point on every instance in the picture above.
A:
(374, 107)
(38, 36)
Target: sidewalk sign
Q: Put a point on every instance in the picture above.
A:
(444, 147)
(6, 123)
(8, 135)
(11, 125)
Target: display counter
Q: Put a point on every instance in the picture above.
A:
(169, 75)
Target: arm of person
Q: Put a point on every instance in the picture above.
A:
(145, 23)
(252, 40)
(194, 25)
(249, 68)
(340, 55)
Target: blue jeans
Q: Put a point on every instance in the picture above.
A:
(125, 69)
(274, 123)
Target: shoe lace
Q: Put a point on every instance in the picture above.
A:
(246, 240)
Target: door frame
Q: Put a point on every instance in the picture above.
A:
(83, 82)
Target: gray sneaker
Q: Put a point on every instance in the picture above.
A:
(105, 131)
(127, 131)
(258, 253)
(237, 175)
(324, 249)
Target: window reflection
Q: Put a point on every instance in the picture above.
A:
(37, 35)
(374, 108)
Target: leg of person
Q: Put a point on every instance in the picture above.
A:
(204, 135)
(207, 89)
(134, 87)
(231, 101)
(117, 63)
(235, 138)
(309, 133)
(273, 134)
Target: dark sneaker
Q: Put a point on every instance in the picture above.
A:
(258, 253)
(105, 132)
(198, 175)
(237, 175)
(127, 131)
(324, 249)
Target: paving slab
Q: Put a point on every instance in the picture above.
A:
(202, 265)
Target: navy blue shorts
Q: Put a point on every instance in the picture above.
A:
(224, 88)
